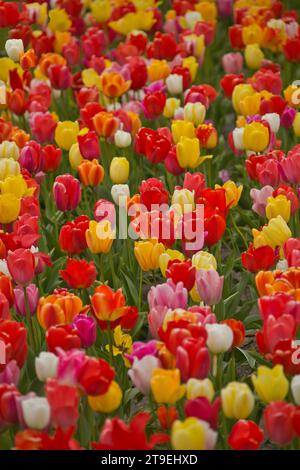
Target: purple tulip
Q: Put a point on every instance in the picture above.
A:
(288, 117)
(86, 327)
(11, 374)
(209, 286)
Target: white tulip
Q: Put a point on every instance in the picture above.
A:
(36, 412)
(273, 120)
(119, 192)
(174, 84)
(141, 372)
(14, 48)
(4, 268)
(238, 138)
(191, 18)
(122, 139)
(220, 338)
(295, 386)
(46, 366)
(194, 112)
(9, 149)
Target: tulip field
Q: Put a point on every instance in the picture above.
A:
(150, 225)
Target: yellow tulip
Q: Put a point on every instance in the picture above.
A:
(256, 137)
(119, 170)
(232, 192)
(109, 401)
(270, 384)
(191, 64)
(167, 256)
(254, 56)
(10, 207)
(101, 10)
(204, 260)
(239, 93)
(158, 70)
(75, 157)
(16, 185)
(147, 254)
(59, 20)
(208, 10)
(6, 64)
(170, 107)
(195, 295)
(188, 152)
(182, 128)
(183, 201)
(275, 233)
(9, 149)
(40, 11)
(188, 434)
(279, 205)
(296, 125)
(292, 96)
(252, 34)
(143, 20)
(91, 78)
(200, 388)
(66, 134)
(165, 386)
(237, 400)
(8, 167)
(61, 39)
(250, 105)
(99, 236)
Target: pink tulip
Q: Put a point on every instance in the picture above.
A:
(232, 62)
(155, 319)
(292, 252)
(86, 327)
(204, 315)
(290, 167)
(201, 408)
(209, 286)
(21, 265)
(33, 298)
(168, 295)
(259, 198)
(10, 374)
(141, 349)
(42, 126)
(70, 365)
(141, 372)
(66, 192)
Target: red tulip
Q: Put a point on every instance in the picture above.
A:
(66, 192)
(72, 235)
(228, 82)
(17, 102)
(79, 274)
(60, 76)
(6, 288)
(50, 158)
(163, 47)
(151, 144)
(138, 72)
(236, 37)
(192, 359)
(278, 304)
(276, 331)
(87, 95)
(14, 336)
(65, 337)
(89, 145)
(153, 192)
(291, 250)
(8, 405)
(245, 435)
(259, 259)
(278, 420)
(42, 126)
(274, 104)
(166, 416)
(291, 50)
(96, 376)
(63, 401)
(117, 435)
(214, 225)
(21, 265)
(88, 112)
(153, 104)
(182, 271)
(202, 409)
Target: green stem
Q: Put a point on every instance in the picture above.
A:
(140, 289)
(29, 320)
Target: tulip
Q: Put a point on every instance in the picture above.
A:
(120, 193)
(253, 56)
(220, 338)
(278, 205)
(295, 386)
(10, 206)
(15, 185)
(270, 384)
(275, 233)
(232, 62)
(66, 134)
(10, 374)
(141, 372)
(91, 173)
(72, 235)
(207, 135)
(296, 125)
(184, 200)
(256, 137)
(89, 145)
(99, 236)
(79, 274)
(209, 286)
(64, 401)
(240, 92)
(14, 48)
(32, 296)
(202, 409)
(66, 192)
(147, 254)
(95, 376)
(192, 359)
(46, 366)
(245, 435)
(113, 84)
(174, 84)
(165, 386)
(278, 421)
(60, 76)
(9, 150)
(21, 265)
(105, 124)
(194, 112)
(287, 117)
(181, 271)
(122, 139)
(172, 104)
(108, 401)
(192, 434)
(119, 170)
(75, 157)
(182, 129)
(199, 388)
(86, 328)
(168, 295)
(237, 400)
(166, 257)
(36, 412)
(259, 198)
(273, 119)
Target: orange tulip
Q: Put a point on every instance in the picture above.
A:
(91, 173)
(269, 283)
(20, 137)
(105, 124)
(114, 85)
(59, 308)
(28, 60)
(50, 59)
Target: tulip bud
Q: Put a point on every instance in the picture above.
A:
(119, 170)
(86, 328)
(46, 366)
(209, 286)
(36, 412)
(200, 388)
(220, 338)
(237, 400)
(122, 139)
(75, 157)
(9, 150)
(14, 48)
(120, 192)
(174, 84)
(184, 199)
(254, 56)
(66, 192)
(238, 138)
(33, 297)
(108, 401)
(295, 386)
(194, 112)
